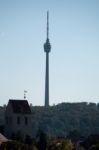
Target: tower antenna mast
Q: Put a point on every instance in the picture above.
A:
(47, 24)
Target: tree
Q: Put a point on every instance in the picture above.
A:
(42, 143)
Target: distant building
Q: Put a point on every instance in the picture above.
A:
(47, 49)
(18, 118)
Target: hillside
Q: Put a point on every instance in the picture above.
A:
(64, 119)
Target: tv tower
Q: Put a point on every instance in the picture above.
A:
(47, 49)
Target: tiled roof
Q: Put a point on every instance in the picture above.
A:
(3, 138)
(20, 106)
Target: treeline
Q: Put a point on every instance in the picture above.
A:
(67, 119)
(2, 110)
(64, 120)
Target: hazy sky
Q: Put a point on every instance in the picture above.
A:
(74, 57)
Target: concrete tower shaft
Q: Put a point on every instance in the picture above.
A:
(47, 49)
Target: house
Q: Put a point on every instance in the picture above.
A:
(18, 118)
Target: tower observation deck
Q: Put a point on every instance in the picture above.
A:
(47, 49)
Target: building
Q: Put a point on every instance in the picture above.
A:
(18, 118)
(47, 49)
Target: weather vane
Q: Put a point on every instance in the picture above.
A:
(25, 94)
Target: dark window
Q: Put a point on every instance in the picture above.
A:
(10, 120)
(6, 120)
(18, 120)
(26, 120)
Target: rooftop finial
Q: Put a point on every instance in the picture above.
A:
(25, 94)
(47, 24)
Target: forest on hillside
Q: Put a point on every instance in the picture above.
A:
(65, 119)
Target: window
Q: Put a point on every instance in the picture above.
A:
(18, 120)
(26, 120)
(10, 120)
(6, 120)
